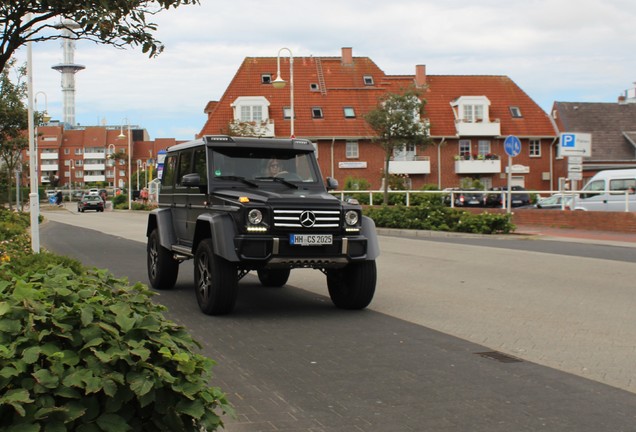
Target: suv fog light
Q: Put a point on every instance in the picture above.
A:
(351, 217)
(255, 217)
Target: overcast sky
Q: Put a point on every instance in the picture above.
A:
(555, 50)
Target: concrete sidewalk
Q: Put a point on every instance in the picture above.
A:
(588, 236)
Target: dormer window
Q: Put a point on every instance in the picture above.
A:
(471, 109)
(266, 78)
(251, 109)
(368, 80)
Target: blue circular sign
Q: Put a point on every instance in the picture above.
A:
(512, 146)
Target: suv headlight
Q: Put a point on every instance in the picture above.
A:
(255, 217)
(351, 218)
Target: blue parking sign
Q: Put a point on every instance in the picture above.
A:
(568, 140)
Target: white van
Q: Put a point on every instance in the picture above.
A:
(609, 190)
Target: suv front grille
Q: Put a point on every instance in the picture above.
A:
(306, 219)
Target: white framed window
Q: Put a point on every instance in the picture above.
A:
(483, 147)
(251, 109)
(464, 147)
(349, 112)
(266, 78)
(473, 113)
(67, 151)
(316, 112)
(368, 80)
(286, 113)
(251, 113)
(535, 148)
(352, 149)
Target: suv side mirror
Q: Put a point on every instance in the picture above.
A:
(332, 183)
(191, 180)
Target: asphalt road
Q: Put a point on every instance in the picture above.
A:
(290, 361)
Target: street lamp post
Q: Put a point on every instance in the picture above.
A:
(279, 83)
(71, 170)
(138, 165)
(111, 155)
(121, 135)
(34, 204)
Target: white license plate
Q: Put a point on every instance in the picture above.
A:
(310, 239)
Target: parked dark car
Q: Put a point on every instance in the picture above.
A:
(497, 197)
(465, 198)
(90, 202)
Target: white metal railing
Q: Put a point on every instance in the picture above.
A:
(574, 196)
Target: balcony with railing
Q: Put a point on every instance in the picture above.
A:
(49, 155)
(478, 128)
(410, 165)
(477, 164)
(264, 128)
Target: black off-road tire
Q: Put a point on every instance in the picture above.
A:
(352, 287)
(163, 269)
(273, 278)
(215, 281)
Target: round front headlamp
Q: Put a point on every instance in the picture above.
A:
(351, 217)
(255, 217)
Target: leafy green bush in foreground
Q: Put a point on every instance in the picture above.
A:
(83, 351)
(88, 353)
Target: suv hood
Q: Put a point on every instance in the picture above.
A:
(273, 197)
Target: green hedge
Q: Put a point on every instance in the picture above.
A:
(436, 217)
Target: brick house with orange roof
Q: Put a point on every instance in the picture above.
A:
(469, 118)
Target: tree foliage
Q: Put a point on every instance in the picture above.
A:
(396, 120)
(120, 23)
(13, 121)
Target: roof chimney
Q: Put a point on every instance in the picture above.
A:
(420, 75)
(347, 56)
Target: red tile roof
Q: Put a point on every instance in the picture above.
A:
(341, 85)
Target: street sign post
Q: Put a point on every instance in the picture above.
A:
(575, 144)
(512, 146)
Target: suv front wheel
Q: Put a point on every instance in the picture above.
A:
(163, 269)
(352, 287)
(215, 281)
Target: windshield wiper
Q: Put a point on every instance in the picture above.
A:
(279, 180)
(237, 178)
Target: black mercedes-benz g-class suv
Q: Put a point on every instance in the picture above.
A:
(238, 204)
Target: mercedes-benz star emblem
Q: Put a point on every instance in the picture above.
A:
(307, 219)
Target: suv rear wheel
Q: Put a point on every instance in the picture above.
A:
(163, 269)
(215, 281)
(273, 278)
(352, 287)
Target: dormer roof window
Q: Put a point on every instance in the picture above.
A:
(471, 109)
(251, 109)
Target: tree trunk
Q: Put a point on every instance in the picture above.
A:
(386, 180)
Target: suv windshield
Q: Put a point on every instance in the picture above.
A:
(264, 165)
